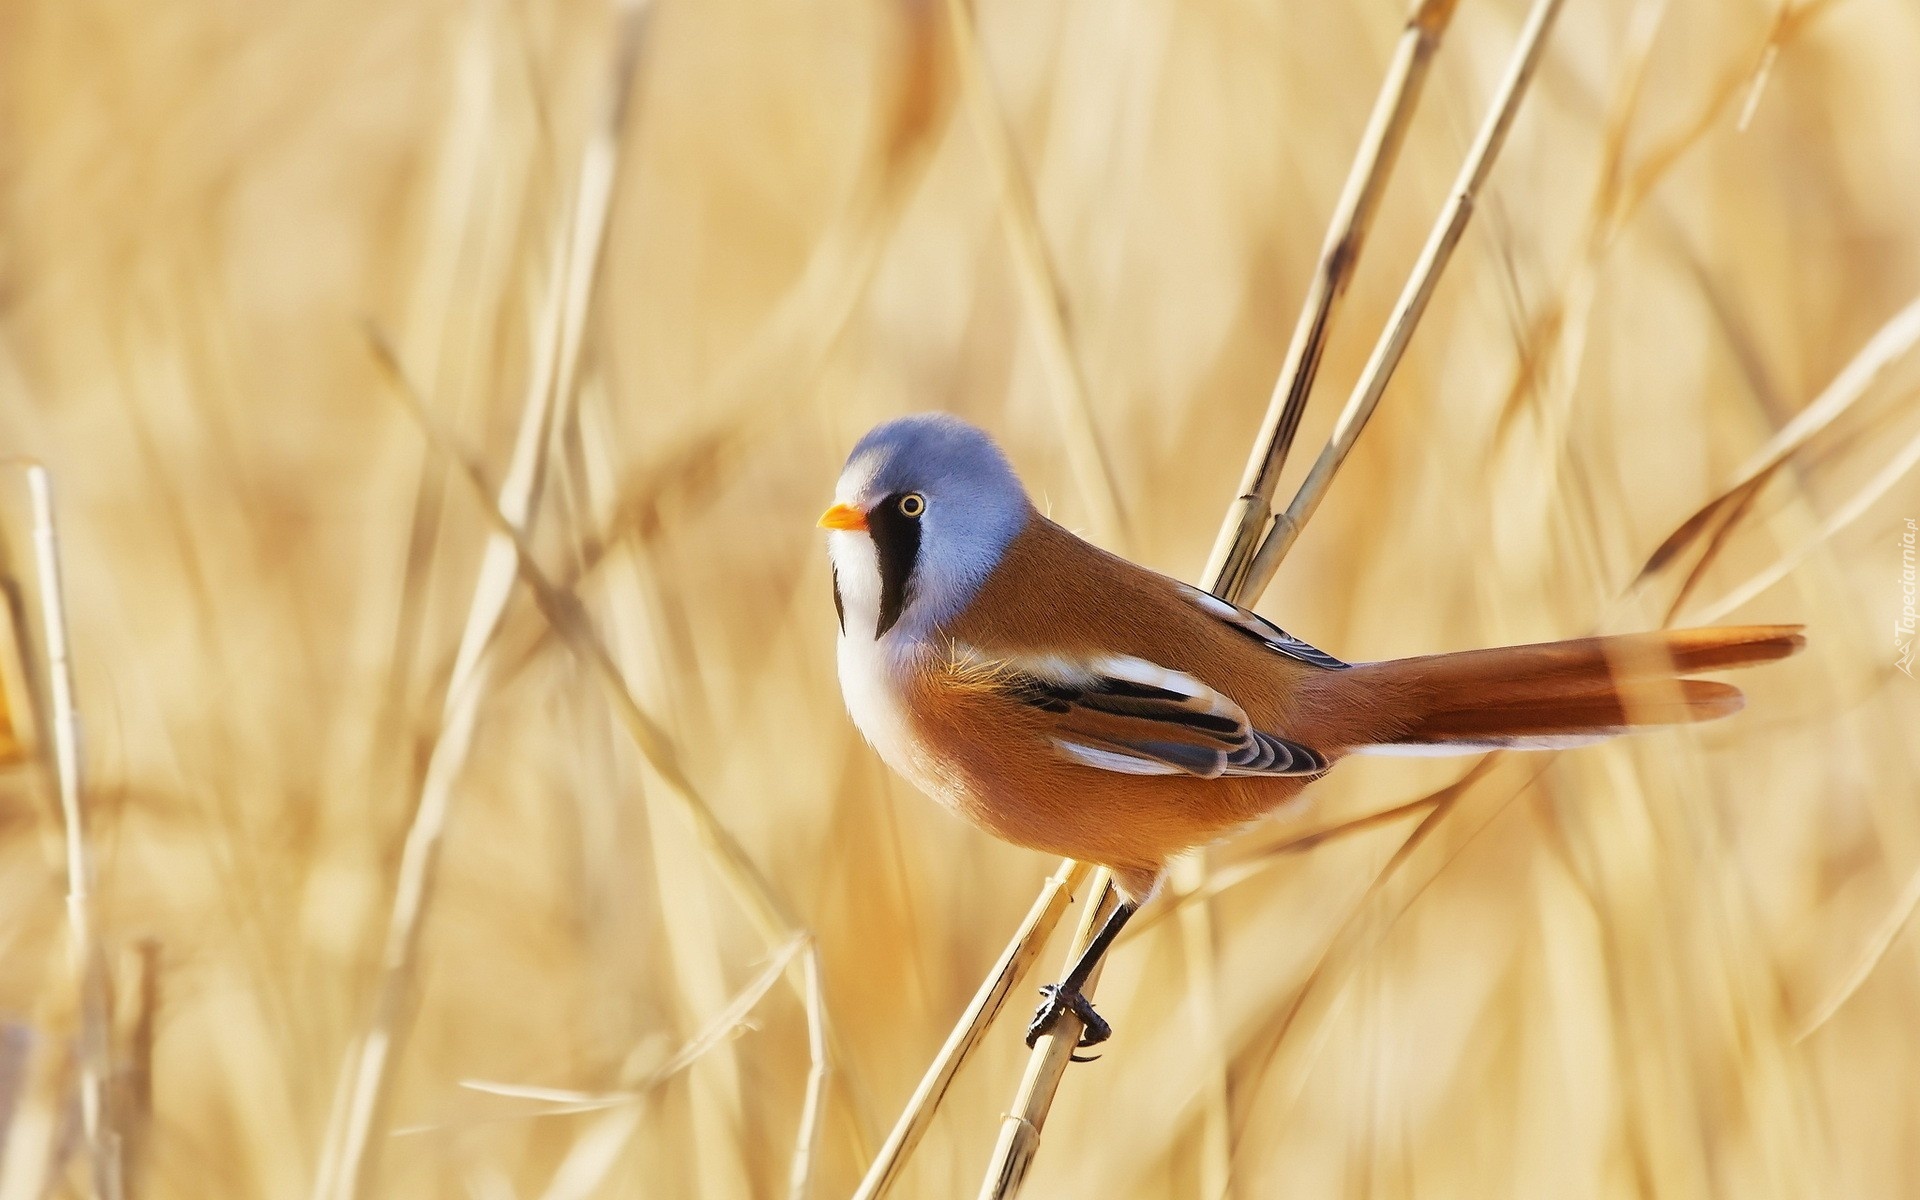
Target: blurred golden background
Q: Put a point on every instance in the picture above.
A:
(707, 245)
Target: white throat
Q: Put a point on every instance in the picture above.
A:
(963, 538)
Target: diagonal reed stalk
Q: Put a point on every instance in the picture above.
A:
(1346, 236)
(769, 912)
(1046, 302)
(1320, 993)
(1250, 513)
(1234, 548)
(1412, 305)
(349, 1158)
(1002, 1180)
(1020, 1129)
(1008, 970)
(1892, 342)
(85, 958)
(1896, 920)
(597, 1151)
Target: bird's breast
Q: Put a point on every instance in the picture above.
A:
(874, 678)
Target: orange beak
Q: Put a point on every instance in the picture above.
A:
(844, 516)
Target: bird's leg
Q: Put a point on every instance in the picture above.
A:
(1066, 997)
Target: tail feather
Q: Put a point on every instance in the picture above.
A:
(1554, 692)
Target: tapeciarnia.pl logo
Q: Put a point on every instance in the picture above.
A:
(1903, 628)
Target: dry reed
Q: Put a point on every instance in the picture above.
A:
(84, 958)
(1112, 234)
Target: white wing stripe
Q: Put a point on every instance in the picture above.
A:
(1109, 760)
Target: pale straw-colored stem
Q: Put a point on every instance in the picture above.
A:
(1252, 509)
(1857, 505)
(1339, 255)
(1008, 970)
(1188, 875)
(1885, 934)
(1020, 1129)
(772, 917)
(1227, 573)
(95, 1057)
(806, 1141)
(1240, 530)
(1412, 304)
(598, 1150)
(1040, 282)
(349, 1157)
(140, 989)
(1038, 276)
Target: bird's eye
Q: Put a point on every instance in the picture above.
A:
(912, 504)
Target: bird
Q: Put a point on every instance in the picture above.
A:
(1068, 700)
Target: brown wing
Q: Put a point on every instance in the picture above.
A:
(1127, 715)
(1054, 595)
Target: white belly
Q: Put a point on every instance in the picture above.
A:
(870, 675)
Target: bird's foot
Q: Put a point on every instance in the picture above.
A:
(1059, 1001)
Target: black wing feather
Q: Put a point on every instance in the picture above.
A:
(1261, 630)
(1216, 743)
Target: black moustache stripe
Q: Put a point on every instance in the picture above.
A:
(896, 543)
(839, 606)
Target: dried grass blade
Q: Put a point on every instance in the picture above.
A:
(36, 1091)
(724, 1024)
(769, 912)
(85, 960)
(806, 1140)
(1413, 300)
(1008, 970)
(1228, 878)
(1189, 874)
(1363, 924)
(142, 964)
(1366, 182)
(1252, 510)
(1857, 506)
(1020, 1129)
(1871, 955)
(1763, 72)
(594, 1155)
(1890, 343)
(348, 1160)
(1340, 252)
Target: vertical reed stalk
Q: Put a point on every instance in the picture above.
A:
(88, 966)
(1046, 300)
(141, 989)
(349, 1159)
(770, 914)
(1234, 548)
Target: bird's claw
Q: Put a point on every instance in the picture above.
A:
(1059, 1001)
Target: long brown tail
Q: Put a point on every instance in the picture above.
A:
(1558, 693)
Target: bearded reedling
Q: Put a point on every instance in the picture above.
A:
(1067, 700)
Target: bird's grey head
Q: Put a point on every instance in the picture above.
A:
(925, 507)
